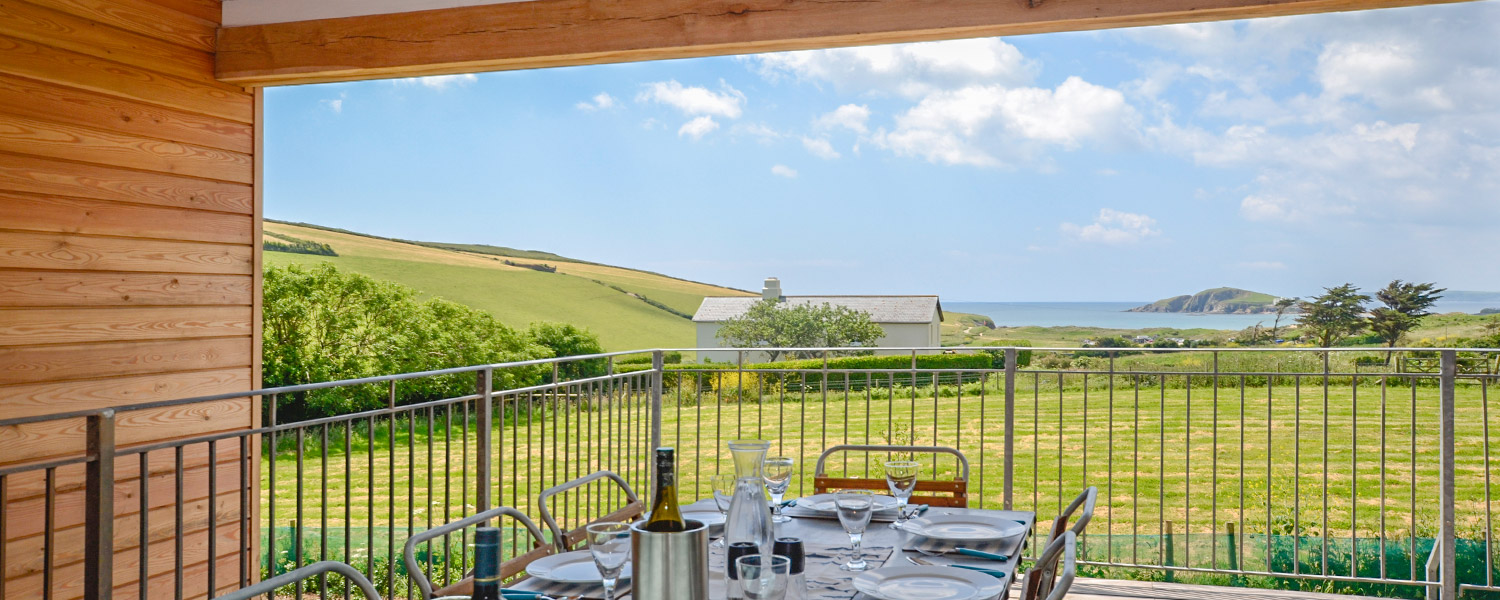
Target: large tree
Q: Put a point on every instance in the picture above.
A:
(1405, 305)
(776, 324)
(1282, 305)
(1333, 316)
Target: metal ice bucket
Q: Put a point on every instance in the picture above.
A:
(669, 566)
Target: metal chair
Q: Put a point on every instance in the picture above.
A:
(950, 493)
(1044, 580)
(464, 587)
(572, 538)
(303, 574)
(1086, 501)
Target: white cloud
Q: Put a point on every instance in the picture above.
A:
(694, 100)
(820, 148)
(849, 116)
(760, 131)
(601, 101)
(439, 82)
(910, 70)
(784, 171)
(336, 105)
(698, 127)
(1113, 227)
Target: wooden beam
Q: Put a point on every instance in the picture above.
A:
(550, 33)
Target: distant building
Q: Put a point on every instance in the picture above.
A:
(908, 321)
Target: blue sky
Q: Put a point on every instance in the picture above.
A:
(1281, 155)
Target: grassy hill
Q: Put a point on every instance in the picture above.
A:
(1216, 300)
(627, 308)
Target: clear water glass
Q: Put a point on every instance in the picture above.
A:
(764, 576)
(778, 474)
(723, 487)
(609, 542)
(901, 477)
(855, 507)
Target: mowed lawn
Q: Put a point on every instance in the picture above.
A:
(1262, 460)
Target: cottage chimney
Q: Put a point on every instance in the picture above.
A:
(772, 291)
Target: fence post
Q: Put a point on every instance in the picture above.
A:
(482, 412)
(1170, 559)
(1448, 567)
(658, 369)
(99, 495)
(1010, 424)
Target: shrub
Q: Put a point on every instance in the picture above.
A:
(286, 243)
(569, 340)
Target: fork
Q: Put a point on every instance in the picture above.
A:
(927, 563)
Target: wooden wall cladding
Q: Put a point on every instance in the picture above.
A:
(128, 273)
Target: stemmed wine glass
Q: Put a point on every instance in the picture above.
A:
(609, 542)
(855, 507)
(901, 477)
(764, 576)
(778, 475)
(723, 487)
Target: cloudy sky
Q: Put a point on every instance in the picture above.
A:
(1281, 155)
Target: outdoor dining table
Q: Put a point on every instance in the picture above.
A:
(827, 546)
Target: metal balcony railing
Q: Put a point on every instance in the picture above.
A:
(1246, 464)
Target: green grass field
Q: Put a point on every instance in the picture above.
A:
(519, 296)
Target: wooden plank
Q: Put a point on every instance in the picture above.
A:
(143, 17)
(23, 20)
(24, 173)
(24, 250)
(21, 135)
(550, 33)
(36, 289)
(36, 441)
(59, 396)
(208, 10)
(53, 214)
(68, 581)
(62, 67)
(28, 326)
(72, 106)
(26, 365)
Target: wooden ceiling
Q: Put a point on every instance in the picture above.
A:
(551, 33)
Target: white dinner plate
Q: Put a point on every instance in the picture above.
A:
(824, 503)
(570, 567)
(927, 583)
(964, 527)
(711, 518)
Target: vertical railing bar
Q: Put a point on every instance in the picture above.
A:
(486, 424)
(1297, 476)
(297, 526)
(1213, 552)
(411, 491)
(1270, 441)
(322, 509)
(247, 462)
(868, 401)
(1323, 526)
(270, 493)
(370, 499)
(1083, 547)
(739, 391)
(801, 430)
(658, 379)
(1161, 481)
(49, 529)
(1010, 427)
(1109, 507)
(1036, 448)
(1240, 548)
(390, 525)
(984, 382)
(1449, 557)
(1187, 470)
(213, 518)
(1412, 525)
(4, 501)
(1383, 467)
(431, 488)
(1353, 476)
(143, 569)
(99, 521)
(348, 501)
(1135, 474)
(1489, 525)
(178, 529)
(1060, 498)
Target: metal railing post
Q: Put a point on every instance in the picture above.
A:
(483, 413)
(1448, 564)
(658, 370)
(99, 495)
(1010, 424)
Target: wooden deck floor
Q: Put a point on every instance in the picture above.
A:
(1113, 589)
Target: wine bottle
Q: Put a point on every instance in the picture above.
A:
(665, 517)
(487, 563)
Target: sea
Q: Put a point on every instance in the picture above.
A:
(1112, 315)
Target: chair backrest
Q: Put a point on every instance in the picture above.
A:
(508, 569)
(953, 493)
(572, 538)
(1045, 580)
(303, 574)
(1083, 506)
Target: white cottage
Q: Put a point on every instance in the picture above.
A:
(908, 321)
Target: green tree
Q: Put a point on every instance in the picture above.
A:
(1333, 316)
(775, 324)
(1282, 305)
(1405, 305)
(569, 340)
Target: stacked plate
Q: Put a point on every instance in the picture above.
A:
(965, 528)
(927, 583)
(570, 567)
(824, 503)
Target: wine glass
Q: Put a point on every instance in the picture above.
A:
(609, 542)
(764, 576)
(723, 488)
(855, 507)
(778, 475)
(901, 477)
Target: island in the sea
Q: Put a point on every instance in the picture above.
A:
(1223, 300)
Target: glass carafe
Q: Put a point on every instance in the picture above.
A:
(749, 516)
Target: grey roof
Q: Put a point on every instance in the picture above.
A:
(882, 309)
